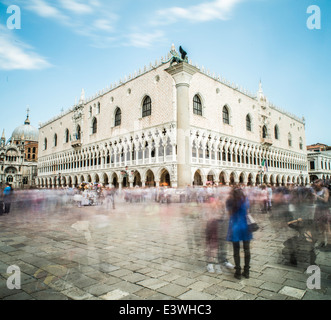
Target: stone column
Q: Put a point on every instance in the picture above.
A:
(164, 152)
(137, 156)
(174, 153)
(115, 158)
(182, 73)
(143, 155)
(156, 154)
(203, 154)
(149, 154)
(204, 180)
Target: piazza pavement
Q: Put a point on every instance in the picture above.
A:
(141, 251)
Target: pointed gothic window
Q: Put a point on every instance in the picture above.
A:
(226, 118)
(55, 140)
(276, 132)
(78, 132)
(147, 107)
(289, 140)
(118, 117)
(66, 136)
(94, 126)
(197, 105)
(248, 123)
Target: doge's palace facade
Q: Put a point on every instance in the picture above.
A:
(172, 123)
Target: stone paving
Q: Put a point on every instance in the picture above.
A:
(141, 251)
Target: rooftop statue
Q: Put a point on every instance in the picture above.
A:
(176, 57)
(183, 53)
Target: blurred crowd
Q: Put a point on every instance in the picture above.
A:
(209, 212)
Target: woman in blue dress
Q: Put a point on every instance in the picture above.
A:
(237, 206)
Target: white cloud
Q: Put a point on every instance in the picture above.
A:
(103, 24)
(76, 7)
(16, 55)
(43, 9)
(145, 40)
(92, 19)
(218, 9)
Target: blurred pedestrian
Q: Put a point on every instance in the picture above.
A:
(269, 205)
(223, 223)
(322, 212)
(7, 197)
(264, 198)
(237, 206)
(212, 233)
(110, 197)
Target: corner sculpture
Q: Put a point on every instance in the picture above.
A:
(176, 58)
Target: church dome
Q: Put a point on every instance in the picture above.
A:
(25, 131)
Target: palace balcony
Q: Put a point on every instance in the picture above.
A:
(76, 143)
(266, 141)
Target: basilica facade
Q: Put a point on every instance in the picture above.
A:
(19, 156)
(172, 123)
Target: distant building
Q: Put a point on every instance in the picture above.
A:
(19, 156)
(319, 162)
(318, 147)
(173, 124)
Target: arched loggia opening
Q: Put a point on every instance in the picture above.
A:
(137, 179)
(150, 180)
(197, 180)
(250, 180)
(222, 178)
(114, 181)
(232, 179)
(165, 178)
(210, 178)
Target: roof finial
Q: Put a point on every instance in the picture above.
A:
(260, 93)
(82, 97)
(27, 121)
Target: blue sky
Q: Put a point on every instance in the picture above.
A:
(66, 45)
